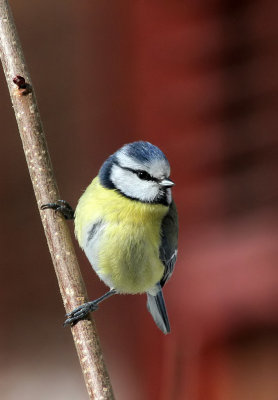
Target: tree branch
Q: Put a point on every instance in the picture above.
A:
(58, 237)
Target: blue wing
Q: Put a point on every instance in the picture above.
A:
(169, 242)
(168, 255)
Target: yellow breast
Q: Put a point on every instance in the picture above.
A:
(128, 249)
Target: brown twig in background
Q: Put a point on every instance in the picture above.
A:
(58, 237)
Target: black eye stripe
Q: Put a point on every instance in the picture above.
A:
(143, 175)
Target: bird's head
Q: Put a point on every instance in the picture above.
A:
(139, 171)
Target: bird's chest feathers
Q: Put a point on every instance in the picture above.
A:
(122, 241)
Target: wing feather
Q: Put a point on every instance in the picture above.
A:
(169, 242)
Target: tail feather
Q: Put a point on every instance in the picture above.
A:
(157, 308)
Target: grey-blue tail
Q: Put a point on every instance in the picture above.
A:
(157, 308)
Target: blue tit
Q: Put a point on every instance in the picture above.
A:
(126, 222)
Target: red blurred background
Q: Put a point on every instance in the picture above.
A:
(200, 81)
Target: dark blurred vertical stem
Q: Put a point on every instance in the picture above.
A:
(58, 237)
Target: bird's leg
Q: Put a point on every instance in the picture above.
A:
(62, 207)
(82, 311)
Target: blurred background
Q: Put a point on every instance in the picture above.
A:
(200, 81)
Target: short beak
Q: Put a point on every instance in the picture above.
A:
(167, 183)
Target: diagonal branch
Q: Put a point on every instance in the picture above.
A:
(58, 237)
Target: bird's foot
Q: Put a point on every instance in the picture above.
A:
(80, 312)
(62, 207)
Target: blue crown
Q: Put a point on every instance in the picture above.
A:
(143, 151)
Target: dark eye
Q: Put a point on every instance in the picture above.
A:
(144, 175)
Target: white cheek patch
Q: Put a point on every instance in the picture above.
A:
(132, 186)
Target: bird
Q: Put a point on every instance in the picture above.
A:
(127, 224)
